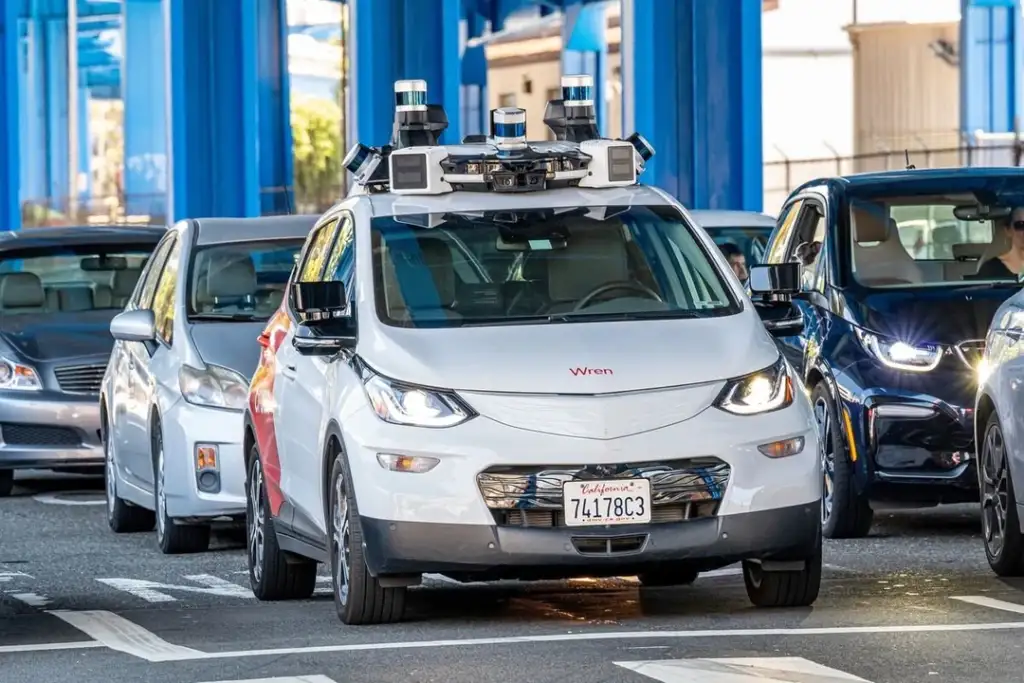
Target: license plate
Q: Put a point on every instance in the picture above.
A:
(599, 503)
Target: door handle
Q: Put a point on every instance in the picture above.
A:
(288, 371)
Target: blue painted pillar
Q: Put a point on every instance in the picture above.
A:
(84, 144)
(10, 166)
(34, 163)
(420, 39)
(991, 57)
(56, 70)
(585, 51)
(276, 156)
(692, 86)
(474, 116)
(213, 98)
(144, 90)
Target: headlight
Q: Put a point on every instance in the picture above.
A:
(761, 392)
(18, 377)
(900, 355)
(213, 387)
(408, 405)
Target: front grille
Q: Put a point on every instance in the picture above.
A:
(970, 352)
(80, 379)
(38, 435)
(532, 496)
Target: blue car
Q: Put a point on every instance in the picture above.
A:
(900, 274)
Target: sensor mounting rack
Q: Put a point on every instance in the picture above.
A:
(538, 166)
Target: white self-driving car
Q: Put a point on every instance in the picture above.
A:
(185, 347)
(510, 360)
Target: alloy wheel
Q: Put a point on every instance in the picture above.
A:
(161, 497)
(994, 490)
(255, 521)
(340, 524)
(111, 471)
(828, 457)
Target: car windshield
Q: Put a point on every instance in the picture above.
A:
(901, 241)
(536, 266)
(241, 281)
(70, 279)
(752, 241)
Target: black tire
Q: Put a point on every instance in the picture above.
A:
(122, 517)
(844, 512)
(1004, 543)
(173, 538)
(6, 483)
(273, 574)
(784, 588)
(668, 576)
(358, 596)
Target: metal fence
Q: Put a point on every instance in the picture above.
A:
(782, 177)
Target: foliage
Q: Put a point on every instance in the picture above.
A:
(317, 140)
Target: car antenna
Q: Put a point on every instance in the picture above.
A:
(906, 155)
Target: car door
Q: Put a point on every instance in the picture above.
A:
(300, 395)
(130, 356)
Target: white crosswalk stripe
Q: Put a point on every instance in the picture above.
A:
(740, 670)
(283, 679)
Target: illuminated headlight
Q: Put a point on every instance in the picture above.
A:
(18, 377)
(900, 355)
(983, 370)
(403, 404)
(213, 387)
(759, 392)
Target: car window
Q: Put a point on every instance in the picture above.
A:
(342, 257)
(752, 241)
(780, 238)
(576, 264)
(148, 288)
(317, 252)
(163, 297)
(70, 279)
(240, 281)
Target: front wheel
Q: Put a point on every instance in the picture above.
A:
(122, 517)
(845, 513)
(173, 539)
(358, 595)
(1004, 543)
(783, 588)
(662, 577)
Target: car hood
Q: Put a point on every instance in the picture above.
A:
(229, 344)
(573, 358)
(43, 337)
(946, 315)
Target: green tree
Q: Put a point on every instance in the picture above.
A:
(316, 135)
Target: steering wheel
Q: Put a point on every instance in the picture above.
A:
(611, 287)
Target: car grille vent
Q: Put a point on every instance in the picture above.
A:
(80, 379)
(14, 434)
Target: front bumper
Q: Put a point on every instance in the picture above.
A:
(186, 428)
(49, 430)
(784, 534)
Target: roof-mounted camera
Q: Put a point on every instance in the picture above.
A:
(417, 124)
(574, 117)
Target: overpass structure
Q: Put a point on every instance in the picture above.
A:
(205, 87)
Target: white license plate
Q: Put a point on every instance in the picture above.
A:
(613, 501)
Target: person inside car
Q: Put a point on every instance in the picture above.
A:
(1010, 263)
(737, 261)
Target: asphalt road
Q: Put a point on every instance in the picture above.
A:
(914, 602)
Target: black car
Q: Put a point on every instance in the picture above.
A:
(895, 315)
(59, 290)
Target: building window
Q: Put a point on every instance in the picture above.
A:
(507, 99)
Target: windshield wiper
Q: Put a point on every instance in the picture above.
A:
(232, 317)
(633, 315)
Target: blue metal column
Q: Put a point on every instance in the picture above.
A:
(692, 86)
(276, 156)
(56, 70)
(991, 55)
(585, 51)
(144, 88)
(474, 113)
(35, 171)
(10, 166)
(397, 39)
(84, 145)
(213, 98)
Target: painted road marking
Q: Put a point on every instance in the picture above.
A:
(982, 601)
(740, 670)
(71, 498)
(30, 599)
(156, 592)
(619, 635)
(46, 647)
(6, 577)
(284, 679)
(117, 633)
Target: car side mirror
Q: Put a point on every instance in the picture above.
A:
(138, 325)
(779, 279)
(325, 324)
(781, 318)
(315, 301)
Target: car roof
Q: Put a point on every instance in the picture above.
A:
(225, 230)
(714, 218)
(923, 179)
(397, 205)
(28, 238)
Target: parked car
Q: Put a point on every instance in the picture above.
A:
(59, 289)
(999, 439)
(172, 397)
(411, 416)
(891, 343)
